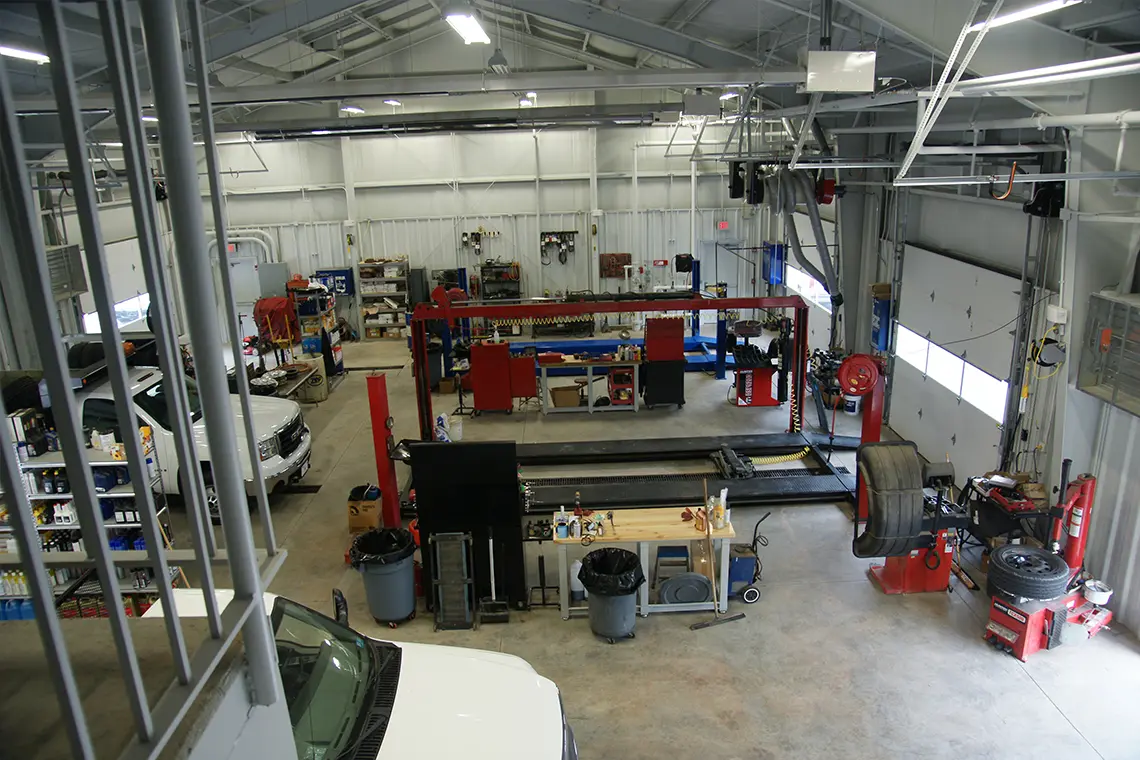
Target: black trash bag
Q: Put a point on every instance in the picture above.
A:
(611, 572)
(381, 546)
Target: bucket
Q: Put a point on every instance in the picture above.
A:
(316, 388)
(851, 404)
(455, 428)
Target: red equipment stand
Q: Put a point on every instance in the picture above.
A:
(1022, 627)
(1025, 627)
(384, 442)
(865, 375)
(922, 570)
(754, 387)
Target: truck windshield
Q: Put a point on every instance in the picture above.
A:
(157, 403)
(326, 670)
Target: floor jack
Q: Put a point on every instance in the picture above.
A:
(1022, 627)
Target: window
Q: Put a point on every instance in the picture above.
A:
(976, 387)
(127, 311)
(807, 286)
(155, 402)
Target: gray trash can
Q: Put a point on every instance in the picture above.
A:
(384, 559)
(612, 576)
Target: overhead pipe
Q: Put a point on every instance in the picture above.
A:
(780, 193)
(242, 233)
(212, 247)
(1111, 119)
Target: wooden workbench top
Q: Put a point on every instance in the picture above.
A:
(664, 524)
(572, 362)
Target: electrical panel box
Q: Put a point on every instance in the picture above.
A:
(701, 103)
(1110, 351)
(840, 71)
(65, 270)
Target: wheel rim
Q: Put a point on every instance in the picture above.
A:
(1029, 562)
(212, 502)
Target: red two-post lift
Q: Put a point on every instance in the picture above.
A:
(443, 307)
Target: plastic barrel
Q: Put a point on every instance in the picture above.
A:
(390, 589)
(613, 617)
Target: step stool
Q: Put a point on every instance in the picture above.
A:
(670, 556)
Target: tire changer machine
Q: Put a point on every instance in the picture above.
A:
(1038, 603)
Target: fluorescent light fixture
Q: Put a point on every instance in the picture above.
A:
(24, 55)
(498, 63)
(532, 95)
(392, 102)
(461, 17)
(351, 108)
(321, 132)
(730, 95)
(153, 119)
(526, 102)
(1032, 11)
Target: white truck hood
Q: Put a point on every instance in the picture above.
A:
(469, 703)
(269, 416)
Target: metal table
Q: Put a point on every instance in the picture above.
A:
(588, 365)
(287, 389)
(644, 527)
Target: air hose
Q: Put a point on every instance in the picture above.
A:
(782, 458)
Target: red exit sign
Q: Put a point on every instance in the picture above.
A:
(722, 225)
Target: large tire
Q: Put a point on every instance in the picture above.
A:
(1028, 572)
(892, 474)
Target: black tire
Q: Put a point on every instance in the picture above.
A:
(892, 474)
(212, 507)
(750, 595)
(1028, 572)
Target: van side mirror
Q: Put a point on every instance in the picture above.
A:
(340, 607)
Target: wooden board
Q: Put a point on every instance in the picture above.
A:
(634, 525)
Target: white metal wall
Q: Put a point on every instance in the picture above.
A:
(1114, 538)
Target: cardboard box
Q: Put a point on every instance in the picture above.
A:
(447, 385)
(881, 290)
(363, 515)
(564, 395)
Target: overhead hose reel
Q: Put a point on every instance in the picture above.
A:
(893, 475)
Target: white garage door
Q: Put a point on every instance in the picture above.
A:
(953, 350)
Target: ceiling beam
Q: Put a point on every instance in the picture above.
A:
(253, 67)
(808, 14)
(548, 45)
(634, 31)
(350, 39)
(371, 53)
(277, 24)
(458, 84)
(682, 15)
(549, 114)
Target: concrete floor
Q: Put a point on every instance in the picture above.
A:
(823, 666)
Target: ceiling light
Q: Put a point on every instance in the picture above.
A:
(25, 55)
(730, 95)
(392, 102)
(532, 95)
(461, 17)
(351, 108)
(526, 102)
(150, 118)
(498, 63)
(1030, 12)
(321, 132)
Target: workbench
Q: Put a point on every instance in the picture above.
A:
(645, 527)
(290, 387)
(589, 365)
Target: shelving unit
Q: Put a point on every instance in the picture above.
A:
(383, 297)
(67, 534)
(320, 334)
(501, 281)
(621, 387)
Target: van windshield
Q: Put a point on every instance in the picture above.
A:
(326, 671)
(156, 402)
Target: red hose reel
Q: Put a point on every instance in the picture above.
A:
(858, 374)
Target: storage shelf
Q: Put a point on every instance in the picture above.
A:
(400, 293)
(76, 526)
(118, 492)
(54, 460)
(382, 279)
